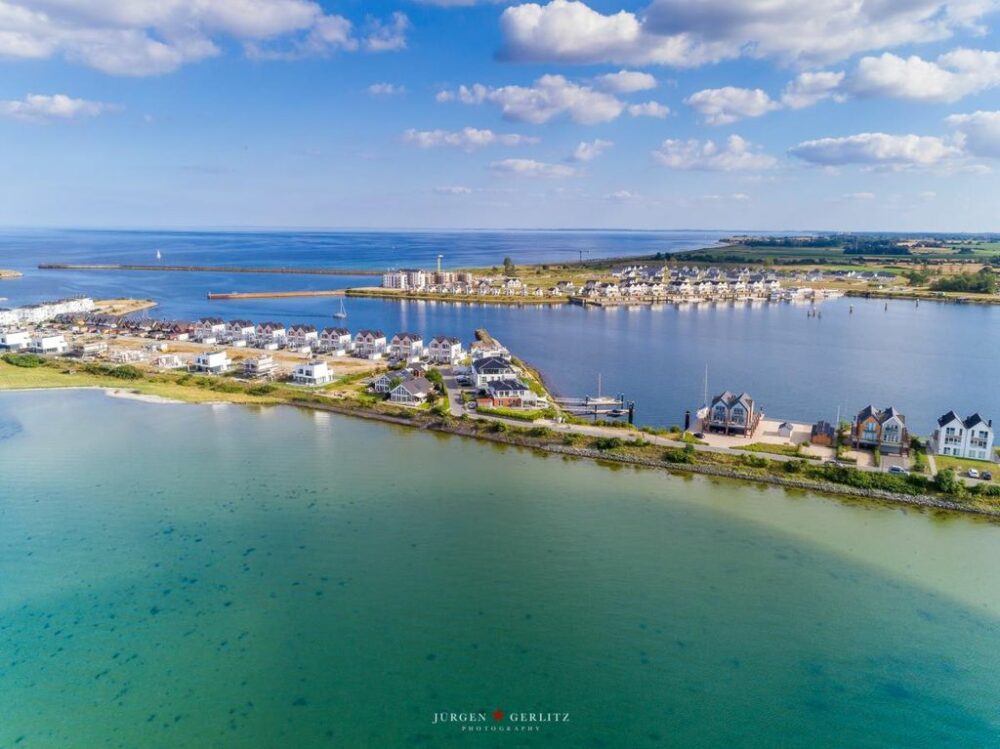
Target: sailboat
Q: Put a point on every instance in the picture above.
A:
(341, 313)
(158, 255)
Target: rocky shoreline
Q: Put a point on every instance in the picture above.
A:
(821, 487)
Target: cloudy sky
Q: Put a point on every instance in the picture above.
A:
(731, 114)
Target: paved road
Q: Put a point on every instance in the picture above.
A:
(458, 409)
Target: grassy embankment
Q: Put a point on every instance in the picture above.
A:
(962, 465)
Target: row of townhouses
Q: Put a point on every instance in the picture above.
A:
(32, 314)
(881, 429)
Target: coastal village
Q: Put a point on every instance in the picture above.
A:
(482, 381)
(630, 284)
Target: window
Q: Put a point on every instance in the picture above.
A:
(719, 414)
(739, 415)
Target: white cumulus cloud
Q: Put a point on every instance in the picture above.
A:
(649, 109)
(684, 33)
(877, 150)
(468, 138)
(627, 81)
(951, 77)
(735, 155)
(811, 88)
(153, 37)
(723, 106)
(979, 132)
(588, 151)
(42, 107)
(551, 96)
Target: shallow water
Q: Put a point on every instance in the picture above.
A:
(176, 576)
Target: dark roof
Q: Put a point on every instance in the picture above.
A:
(241, 323)
(373, 333)
(303, 328)
(212, 321)
(730, 399)
(968, 422)
(823, 427)
(336, 331)
(404, 336)
(515, 385)
(493, 363)
(881, 416)
(948, 418)
(446, 339)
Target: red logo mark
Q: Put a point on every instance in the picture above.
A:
(498, 715)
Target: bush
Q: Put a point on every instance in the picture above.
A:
(264, 388)
(539, 432)
(26, 361)
(606, 443)
(673, 455)
(125, 372)
(947, 482)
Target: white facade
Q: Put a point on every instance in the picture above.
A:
(370, 344)
(36, 313)
(394, 279)
(971, 438)
(314, 373)
(213, 362)
(445, 350)
(14, 340)
(48, 344)
(406, 346)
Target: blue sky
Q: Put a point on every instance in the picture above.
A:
(732, 114)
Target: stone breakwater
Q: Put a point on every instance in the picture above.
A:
(820, 487)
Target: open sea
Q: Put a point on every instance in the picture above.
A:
(220, 576)
(924, 360)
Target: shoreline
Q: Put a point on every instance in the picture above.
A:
(468, 429)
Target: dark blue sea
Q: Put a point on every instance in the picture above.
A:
(924, 360)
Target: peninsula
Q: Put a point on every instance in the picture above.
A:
(484, 393)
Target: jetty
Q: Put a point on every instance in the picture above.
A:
(273, 294)
(209, 269)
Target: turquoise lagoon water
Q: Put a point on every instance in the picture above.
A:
(196, 576)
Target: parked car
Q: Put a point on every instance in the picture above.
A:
(899, 471)
(699, 435)
(973, 473)
(987, 476)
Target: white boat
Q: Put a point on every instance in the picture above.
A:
(158, 255)
(342, 313)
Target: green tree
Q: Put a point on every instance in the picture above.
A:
(508, 266)
(947, 482)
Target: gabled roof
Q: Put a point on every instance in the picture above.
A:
(948, 418)
(449, 339)
(881, 416)
(729, 399)
(337, 332)
(974, 420)
(373, 333)
(416, 386)
(406, 337)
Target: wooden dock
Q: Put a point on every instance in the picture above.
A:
(273, 294)
(210, 269)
